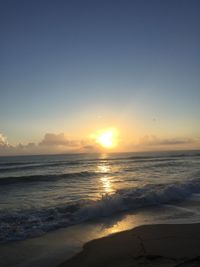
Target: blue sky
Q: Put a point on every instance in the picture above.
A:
(68, 66)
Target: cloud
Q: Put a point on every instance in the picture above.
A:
(91, 148)
(51, 139)
(3, 140)
(152, 140)
(51, 143)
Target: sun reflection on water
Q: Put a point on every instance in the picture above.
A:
(103, 168)
(105, 179)
(106, 184)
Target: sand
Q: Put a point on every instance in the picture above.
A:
(172, 245)
(57, 246)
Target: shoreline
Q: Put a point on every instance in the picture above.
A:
(56, 247)
(167, 245)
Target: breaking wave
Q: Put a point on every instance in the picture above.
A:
(23, 224)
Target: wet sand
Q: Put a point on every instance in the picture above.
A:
(53, 248)
(56, 247)
(169, 245)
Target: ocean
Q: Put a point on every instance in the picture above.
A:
(42, 193)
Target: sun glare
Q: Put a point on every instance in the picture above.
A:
(107, 139)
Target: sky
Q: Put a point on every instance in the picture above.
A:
(69, 69)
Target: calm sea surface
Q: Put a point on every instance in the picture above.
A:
(43, 193)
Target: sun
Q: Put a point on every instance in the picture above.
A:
(107, 138)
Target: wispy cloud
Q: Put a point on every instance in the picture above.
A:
(155, 143)
(152, 140)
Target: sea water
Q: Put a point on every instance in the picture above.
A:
(42, 193)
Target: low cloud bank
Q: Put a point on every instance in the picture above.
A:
(53, 143)
(153, 140)
(51, 139)
(50, 144)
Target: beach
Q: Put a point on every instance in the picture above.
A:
(175, 245)
(56, 247)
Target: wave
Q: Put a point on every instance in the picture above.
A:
(29, 223)
(21, 168)
(43, 178)
(28, 166)
(166, 156)
(14, 163)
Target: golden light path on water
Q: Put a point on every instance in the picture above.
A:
(120, 222)
(105, 179)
